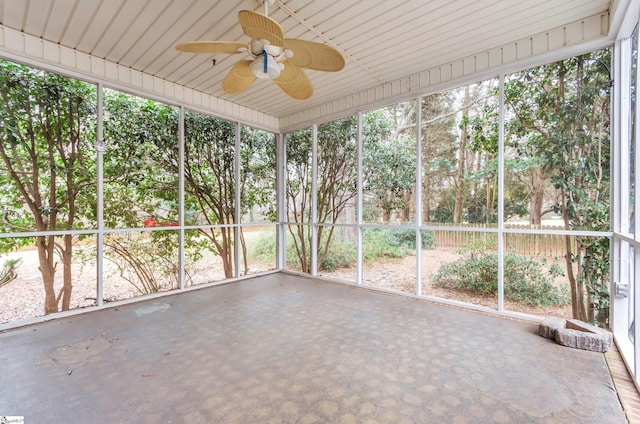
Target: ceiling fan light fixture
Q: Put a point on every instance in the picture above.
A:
(272, 56)
(266, 67)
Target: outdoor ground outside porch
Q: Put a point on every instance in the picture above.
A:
(284, 348)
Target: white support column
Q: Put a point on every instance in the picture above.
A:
(359, 205)
(501, 245)
(237, 211)
(621, 132)
(620, 260)
(314, 201)
(181, 260)
(418, 196)
(281, 202)
(635, 303)
(100, 147)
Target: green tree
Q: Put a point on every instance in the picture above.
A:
(336, 183)
(141, 189)
(389, 160)
(438, 152)
(142, 184)
(560, 116)
(48, 166)
(140, 164)
(210, 187)
(460, 153)
(299, 195)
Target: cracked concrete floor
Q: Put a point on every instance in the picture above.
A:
(287, 349)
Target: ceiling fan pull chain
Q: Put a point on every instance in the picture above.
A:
(264, 53)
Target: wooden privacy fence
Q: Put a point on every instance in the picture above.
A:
(549, 245)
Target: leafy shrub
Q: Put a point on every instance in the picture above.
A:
(378, 243)
(393, 242)
(340, 255)
(8, 272)
(263, 248)
(428, 239)
(382, 243)
(407, 238)
(147, 261)
(341, 252)
(524, 278)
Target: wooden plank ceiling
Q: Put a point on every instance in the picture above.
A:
(382, 40)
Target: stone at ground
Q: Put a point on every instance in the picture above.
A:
(549, 326)
(575, 333)
(582, 340)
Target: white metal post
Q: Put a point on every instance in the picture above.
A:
(100, 146)
(418, 222)
(359, 238)
(314, 201)
(620, 261)
(181, 260)
(237, 214)
(281, 199)
(501, 194)
(636, 233)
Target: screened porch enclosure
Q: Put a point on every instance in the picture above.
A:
(502, 181)
(405, 197)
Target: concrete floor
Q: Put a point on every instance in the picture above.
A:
(287, 349)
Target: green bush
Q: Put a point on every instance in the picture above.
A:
(8, 273)
(407, 238)
(393, 243)
(382, 243)
(524, 278)
(341, 252)
(378, 243)
(263, 248)
(341, 255)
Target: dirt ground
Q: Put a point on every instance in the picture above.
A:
(400, 275)
(23, 297)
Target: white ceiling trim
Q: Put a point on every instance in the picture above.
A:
(35, 51)
(574, 38)
(38, 52)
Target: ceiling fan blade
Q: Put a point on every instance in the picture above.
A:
(312, 55)
(258, 26)
(211, 47)
(294, 82)
(239, 77)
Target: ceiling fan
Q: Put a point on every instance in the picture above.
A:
(272, 56)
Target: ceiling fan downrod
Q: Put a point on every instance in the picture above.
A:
(266, 4)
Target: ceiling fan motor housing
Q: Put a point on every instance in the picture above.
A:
(267, 57)
(272, 56)
(266, 67)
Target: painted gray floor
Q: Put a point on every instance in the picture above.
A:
(286, 349)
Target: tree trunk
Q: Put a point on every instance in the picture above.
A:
(386, 215)
(460, 173)
(227, 252)
(426, 204)
(407, 199)
(577, 293)
(243, 246)
(577, 288)
(536, 196)
(426, 180)
(48, 270)
(67, 286)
